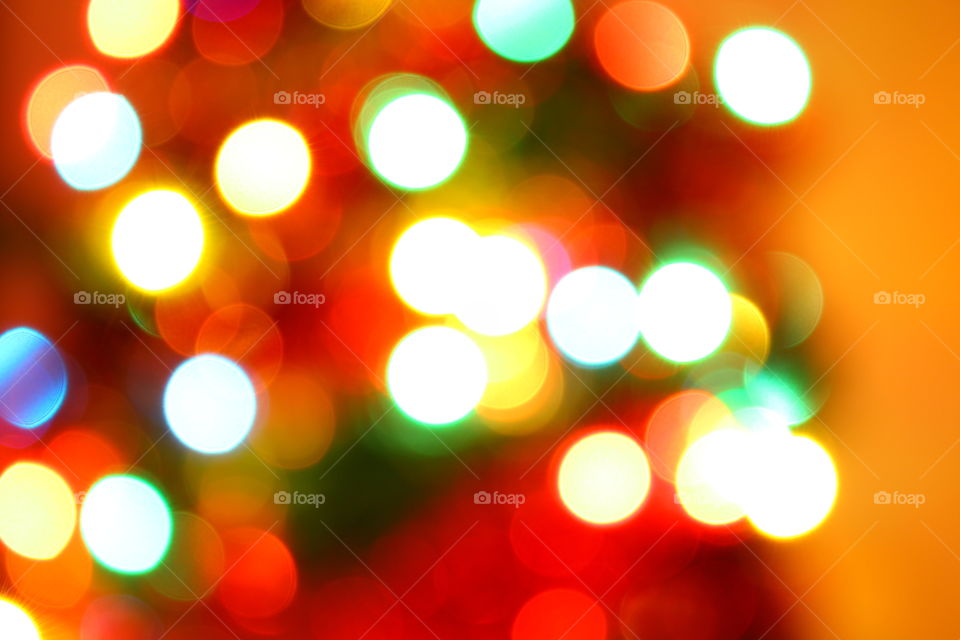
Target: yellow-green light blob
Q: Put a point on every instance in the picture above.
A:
(38, 511)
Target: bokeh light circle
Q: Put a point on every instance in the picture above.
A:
(38, 511)
(795, 485)
(685, 312)
(157, 240)
(96, 140)
(762, 75)
(560, 613)
(346, 14)
(593, 315)
(524, 30)
(437, 375)
(712, 476)
(504, 286)
(642, 45)
(210, 404)
(126, 524)
(52, 94)
(604, 477)
(15, 622)
(33, 378)
(416, 141)
(426, 265)
(263, 167)
(125, 29)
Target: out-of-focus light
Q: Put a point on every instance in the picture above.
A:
(33, 378)
(38, 511)
(15, 622)
(52, 94)
(210, 404)
(157, 240)
(124, 29)
(604, 478)
(557, 614)
(593, 315)
(795, 487)
(762, 75)
(642, 45)
(778, 392)
(220, 10)
(427, 264)
(437, 375)
(126, 524)
(800, 301)
(749, 332)
(685, 312)
(95, 141)
(504, 286)
(416, 141)
(524, 30)
(712, 476)
(263, 167)
(346, 14)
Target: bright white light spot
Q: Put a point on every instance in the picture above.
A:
(16, 624)
(417, 141)
(504, 286)
(593, 315)
(125, 524)
(762, 75)
(685, 312)
(795, 486)
(125, 29)
(263, 167)
(437, 375)
(427, 264)
(157, 240)
(604, 478)
(713, 474)
(95, 141)
(210, 404)
(38, 511)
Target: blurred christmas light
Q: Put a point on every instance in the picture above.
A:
(96, 140)
(52, 94)
(762, 75)
(157, 240)
(437, 375)
(124, 30)
(427, 265)
(593, 315)
(33, 378)
(126, 524)
(38, 511)
(210, 404)
(560, 613)
(504, 286)
(712, 476)
(524, 30)
(263, 167)
(416, 141)
(685, 312)
(604, 478)
(15, 622)
(642, 45)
